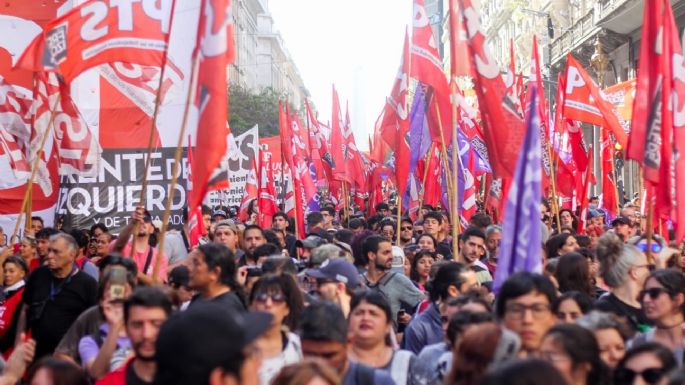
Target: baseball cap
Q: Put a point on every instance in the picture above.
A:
(310, 242)
(206, 336)
(336, 269)
(227, 223)
(219, 213)
(621, 221)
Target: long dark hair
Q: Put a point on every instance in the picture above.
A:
(285, 284)
(673, 281)
(573, 274)
(533, 371)
(580, 344)
(414, 274)
(218, 255)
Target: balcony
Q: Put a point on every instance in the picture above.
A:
(579, 33)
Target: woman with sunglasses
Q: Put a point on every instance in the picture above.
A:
(649, 363)
(369, 331)
(624, 269)
(663, 300)
(279, 296)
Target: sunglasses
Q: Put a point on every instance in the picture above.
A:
(653, 293)
(275, 297)
(627, 376)
(405, 228)
(654, 247)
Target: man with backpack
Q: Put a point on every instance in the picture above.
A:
(397, 288)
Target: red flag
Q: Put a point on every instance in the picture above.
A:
(318, 146)
(287, 151)
(251, 186)
(459, 41)
(267, 192)
(77, 148)
(215, 47)
(609, 192)
(395, 126)
(196, 226)
(355, 165)
(584, 193)
(98, 32)
(586, 103)
(536, 77)
(338, 142)
(502, 123)
(426, 67)
(659, 116)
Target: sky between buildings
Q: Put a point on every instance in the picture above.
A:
(354, 44)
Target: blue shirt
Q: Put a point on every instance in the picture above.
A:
(424, 330)
(353, 376)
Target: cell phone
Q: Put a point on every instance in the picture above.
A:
(117, 283)
(254, 271)
(401, 313)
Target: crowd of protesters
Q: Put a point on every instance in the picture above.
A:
(349, 302)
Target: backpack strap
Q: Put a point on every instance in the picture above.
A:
(399, 368)
(364, 374)
(148, 260)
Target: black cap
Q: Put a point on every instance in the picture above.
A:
(179, 276)
(621, 221)
(206, 336)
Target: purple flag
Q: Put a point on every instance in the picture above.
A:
(521, 238)
(419, 137)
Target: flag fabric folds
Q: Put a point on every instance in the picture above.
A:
(215, 47)
(585, 102)
(502, 124)
(521, 239)
(658, 121)
(395, 125)
(98, 32)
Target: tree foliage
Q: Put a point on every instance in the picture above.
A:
(247, 108)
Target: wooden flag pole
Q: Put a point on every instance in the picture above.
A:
(153, 125)
(553, 178)
(425, 177)
(26, 203)
(452, 193)
(399, 218)
(457, 169)
(174, 177)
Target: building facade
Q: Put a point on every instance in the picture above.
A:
(262, 59)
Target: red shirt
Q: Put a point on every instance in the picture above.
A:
(116, 377)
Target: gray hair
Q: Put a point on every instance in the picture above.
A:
(616, 259)
(72, 245)
(325, 252)
(492, 229)
(598, 320)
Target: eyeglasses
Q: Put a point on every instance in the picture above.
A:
(407, 228)
(654, 247)
(649, 266)
(653, 293)
(517, 310)
(627, 376)
(275, 297)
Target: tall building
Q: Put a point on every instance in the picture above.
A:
(262, 59)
